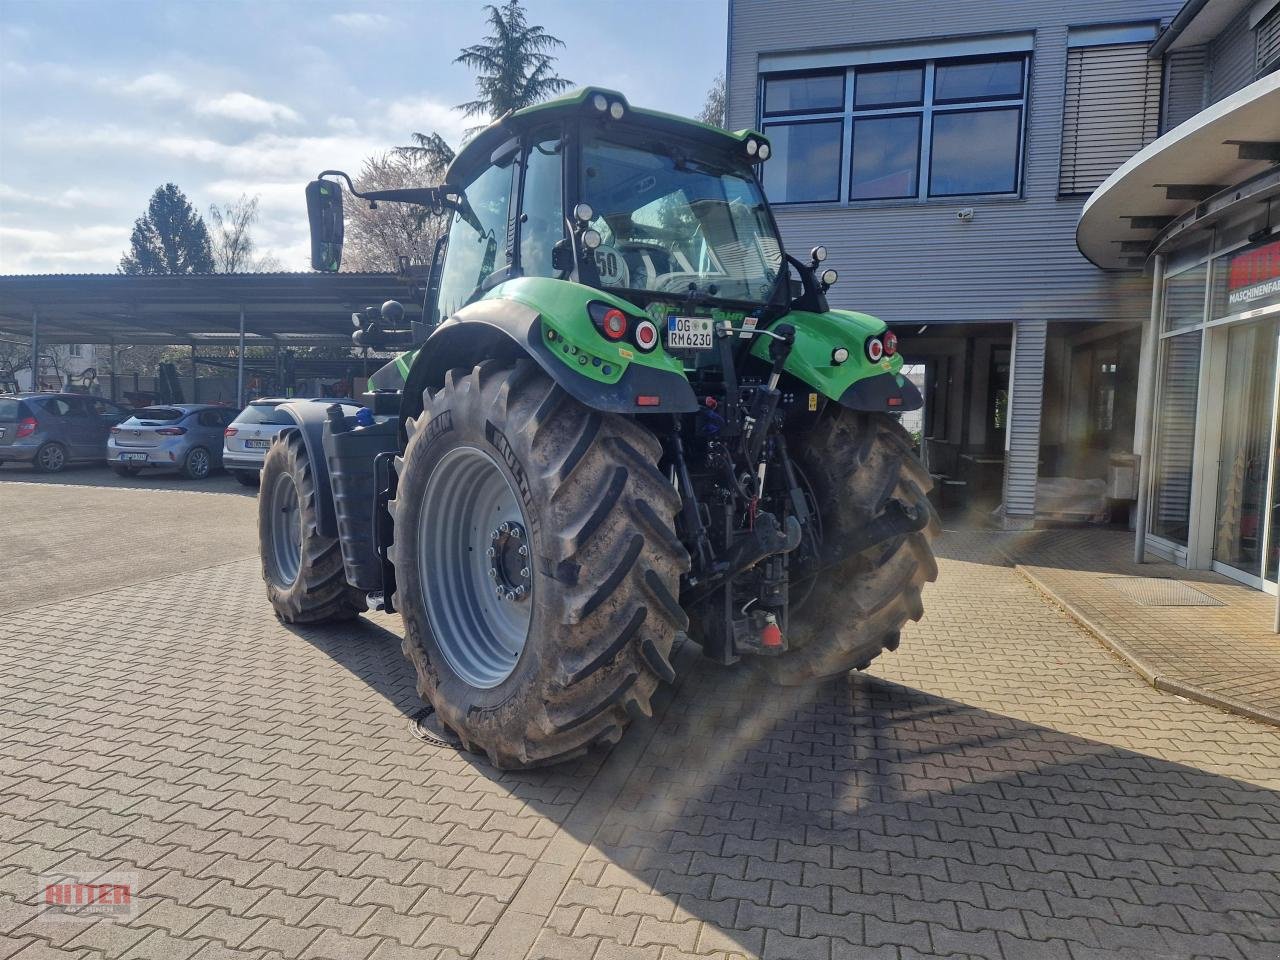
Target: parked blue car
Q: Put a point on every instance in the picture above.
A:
(51, 430)
(186, 437)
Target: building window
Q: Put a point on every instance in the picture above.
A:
(935, 128)
(1111, 111)
(74, 350)
(1175, 437)
(1268, 44)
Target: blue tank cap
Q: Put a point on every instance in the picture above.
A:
(364, 417)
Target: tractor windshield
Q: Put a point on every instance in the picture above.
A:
(673, 223)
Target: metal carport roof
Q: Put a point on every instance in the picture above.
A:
(288, 309)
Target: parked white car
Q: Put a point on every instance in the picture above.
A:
(248, 438)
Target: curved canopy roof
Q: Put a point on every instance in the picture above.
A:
(1203, 158)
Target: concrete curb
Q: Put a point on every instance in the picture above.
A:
(1147, 671)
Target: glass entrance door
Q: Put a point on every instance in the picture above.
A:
(1246, 488)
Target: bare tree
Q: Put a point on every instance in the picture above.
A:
(232, 238)
(713, 110)
(377, 237)
(14, 357)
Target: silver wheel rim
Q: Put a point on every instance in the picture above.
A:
(286, 531)
(199, 463)
(52, 457)
(476, 583)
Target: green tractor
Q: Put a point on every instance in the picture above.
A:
(627, 416)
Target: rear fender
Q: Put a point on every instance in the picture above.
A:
(858, 383)
(504, 328)
(309, 419)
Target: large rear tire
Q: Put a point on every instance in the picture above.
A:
(533, 657)
(854, 605)
(306, 582)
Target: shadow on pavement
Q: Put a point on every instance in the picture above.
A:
(863, 815)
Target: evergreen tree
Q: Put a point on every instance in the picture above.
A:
(169, 238)
(513, 65)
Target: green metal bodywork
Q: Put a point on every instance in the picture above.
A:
(817, 336)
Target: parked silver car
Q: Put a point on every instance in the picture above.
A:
(246, 442)
(50, 430)
(179, 436)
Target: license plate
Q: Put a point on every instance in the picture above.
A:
(689, 333)
(134, 456)
(257, 444)
(2, 429)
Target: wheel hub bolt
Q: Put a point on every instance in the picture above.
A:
(490, 552)
(504, 527)
(519, 592)
(523, 551)
(493, 574)
(524, 572)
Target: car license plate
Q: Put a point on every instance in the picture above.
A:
(2, 429)
(134, 457)
(257, 444)
(689, 333)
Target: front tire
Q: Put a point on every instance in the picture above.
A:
(306, 581)
(855, 605)
(536, 677)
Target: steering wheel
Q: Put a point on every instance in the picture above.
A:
(646, 261)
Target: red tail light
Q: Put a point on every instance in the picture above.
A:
(230, 432)
(27, 427)
(890, 343)
(614, 324)
(172, 431)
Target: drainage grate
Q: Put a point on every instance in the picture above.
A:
(1158, 592)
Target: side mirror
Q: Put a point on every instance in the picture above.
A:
(324, 211)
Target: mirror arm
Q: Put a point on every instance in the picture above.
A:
(424, 196)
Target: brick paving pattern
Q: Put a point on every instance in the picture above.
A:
(1000, 787)
(1227, 655)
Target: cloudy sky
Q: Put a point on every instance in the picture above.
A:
(101, 101)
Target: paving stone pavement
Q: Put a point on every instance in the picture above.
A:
(1226, 654)
(1000, 787)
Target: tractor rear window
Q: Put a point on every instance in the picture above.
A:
(158, 414)
(673, 224)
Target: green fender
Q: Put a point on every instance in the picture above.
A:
(858, 383)
(547, 320)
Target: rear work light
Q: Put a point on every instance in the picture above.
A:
(875, 349)
(27, 427)
(171, 431)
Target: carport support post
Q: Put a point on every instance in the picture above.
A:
(35, 349)
(240, 364)
(193, 374)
